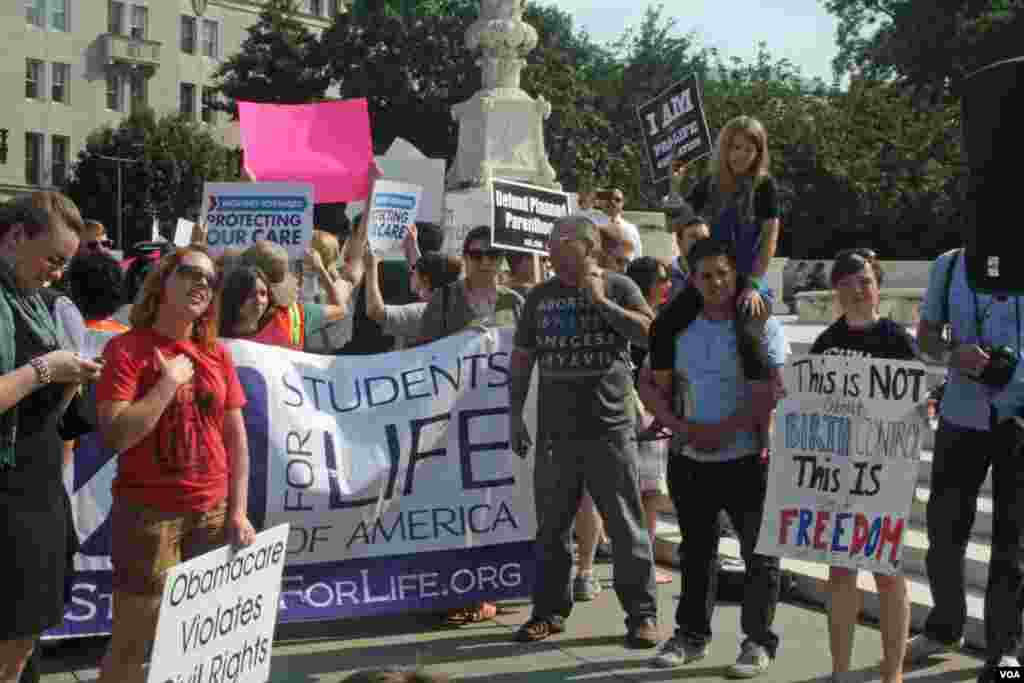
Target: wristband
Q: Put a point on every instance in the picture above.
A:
(42, 370)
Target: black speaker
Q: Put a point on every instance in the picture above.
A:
(993, 132)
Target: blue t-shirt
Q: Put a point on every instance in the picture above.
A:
(707, 367)
(967, 403)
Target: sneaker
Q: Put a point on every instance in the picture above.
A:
(921, 647)
(753, 661)
(677, 651)
(585, 587)
(643, 634)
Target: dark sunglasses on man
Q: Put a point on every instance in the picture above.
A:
(477, 254)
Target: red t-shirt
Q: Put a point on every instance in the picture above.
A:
(181, 465)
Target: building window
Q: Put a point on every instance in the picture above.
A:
(59, 15)
(33, 79)
(211, 46)
(59, 148)
(187, 97)
(114, 92)
(35, 13)
(139, 94)
(140, 20)
(115, 18)
(33, 158)
(59, 84)
(188, 34)
(209, 105)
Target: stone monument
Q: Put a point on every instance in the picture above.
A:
(501, 128)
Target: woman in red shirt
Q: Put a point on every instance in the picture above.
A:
(170, 403)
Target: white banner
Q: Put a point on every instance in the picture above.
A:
(238, 214)
(218, 614)
(393, 472)
(844, 461)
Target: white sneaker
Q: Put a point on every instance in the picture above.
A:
(753, 661)
(921, 647)
(677, 651)
(1007, 660)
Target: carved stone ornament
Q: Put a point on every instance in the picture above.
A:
(501, 128)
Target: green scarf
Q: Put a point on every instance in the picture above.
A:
(19, 308)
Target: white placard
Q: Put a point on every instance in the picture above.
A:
(238, 214)
(183, 233)
(844, 461)
(393, 207)
(218, 614)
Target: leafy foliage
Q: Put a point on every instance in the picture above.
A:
(280, 61)
(173, 156)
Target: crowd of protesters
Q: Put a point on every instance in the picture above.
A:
(656, 379)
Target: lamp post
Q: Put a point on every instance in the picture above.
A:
(119, 227)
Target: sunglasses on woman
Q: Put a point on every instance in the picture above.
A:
(866, 254)
(196, 275)
(477, 254)
(96, 244)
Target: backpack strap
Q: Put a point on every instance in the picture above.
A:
(949, 283)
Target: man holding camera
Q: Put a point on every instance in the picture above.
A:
(980, 336)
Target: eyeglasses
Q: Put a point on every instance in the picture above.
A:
(196, 275)
(618, 200)
(866, 254)
(477, 254)
(96, 244)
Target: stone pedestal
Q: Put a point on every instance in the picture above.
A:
(501, 128)
(902, 304)
(501, 135)
(463, 211)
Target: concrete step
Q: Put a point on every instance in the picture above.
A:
(982, 530)
(924, 473)
(812, 582)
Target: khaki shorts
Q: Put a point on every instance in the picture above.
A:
(147, 542)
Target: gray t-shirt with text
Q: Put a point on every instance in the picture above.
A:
(585, 367)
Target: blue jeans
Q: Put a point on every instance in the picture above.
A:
(606, 466)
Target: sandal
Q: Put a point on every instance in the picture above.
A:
(539, 628)
(485, 611)
(474, 614)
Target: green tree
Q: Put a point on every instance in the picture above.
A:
(927, 45)
(173, 156)
(280, 62)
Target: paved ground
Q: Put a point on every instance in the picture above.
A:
(591, 650)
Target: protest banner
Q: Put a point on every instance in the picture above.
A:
(674, 126)
(524, 215)
(238, 214)
(844, 461)
(326, 144)
(183, 233)
(393, 472)
(393, 207)
(218, 613)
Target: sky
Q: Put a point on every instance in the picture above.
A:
(800, 30)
